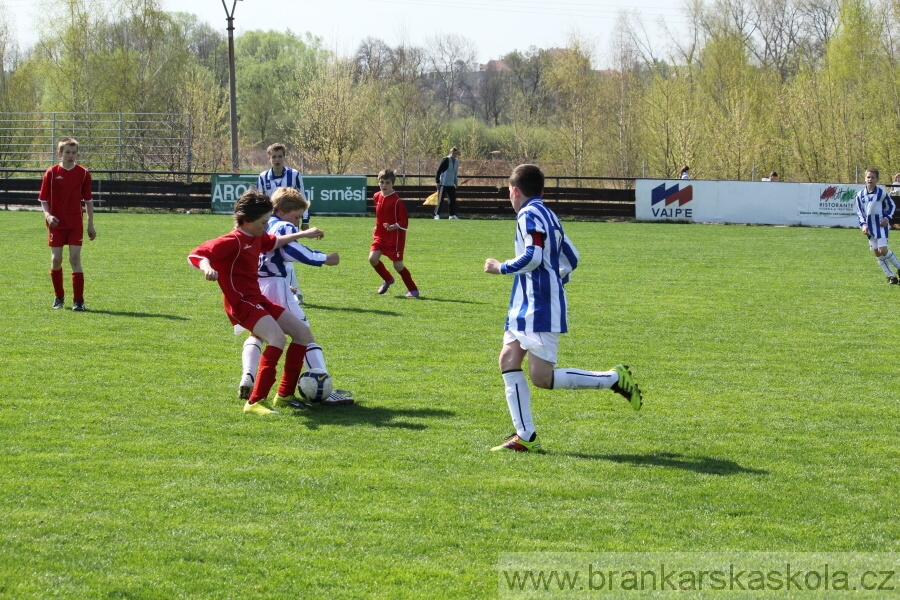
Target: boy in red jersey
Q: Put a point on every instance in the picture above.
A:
(64, 187)
(233, 261)
(389, 236)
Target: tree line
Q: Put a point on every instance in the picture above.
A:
(804, 87)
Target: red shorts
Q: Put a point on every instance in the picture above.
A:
(57, 237)
(392, 250)
(251, 309)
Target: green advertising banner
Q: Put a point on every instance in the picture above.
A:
(328, 194)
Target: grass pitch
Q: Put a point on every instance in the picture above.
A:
(767, 357)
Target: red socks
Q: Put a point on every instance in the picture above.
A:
(293, 364)
(382, 270)
(265, 375)
(56, 277)
(77, 287)
(408, 280)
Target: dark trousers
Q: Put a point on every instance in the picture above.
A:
(450, 192)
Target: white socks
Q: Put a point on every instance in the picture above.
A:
(315, 358)
(250, 355)
(518, 397)
(577, 379)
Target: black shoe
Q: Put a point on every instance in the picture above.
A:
(891, 281)
(78, 306)
(58, 302)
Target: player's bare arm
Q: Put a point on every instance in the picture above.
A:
(284, 240)
(211, 274)
(313, 233)
(89, 209)
(492, 266)
(51, 220)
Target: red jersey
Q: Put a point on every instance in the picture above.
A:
(236, 258)
(63, 190)
(390, 210)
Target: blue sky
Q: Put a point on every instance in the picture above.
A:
(496, 27)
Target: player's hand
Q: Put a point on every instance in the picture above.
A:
(313, 233)
(865, 229)
(492, 266)
(211, 275)
(92, 233)
(51, 220)
(884, 222)
(332, 259)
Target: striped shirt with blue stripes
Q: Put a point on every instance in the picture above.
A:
(277, 263)
(267, 183)
(538, 300)
(871, 208)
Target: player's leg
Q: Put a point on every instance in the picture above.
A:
(879, 247)
(518, 397)
(56, 274)
(301, 337)
(412, 290)
(77, 277)
(266, 329)
(249, 365)
(375, 261)
(437, 208)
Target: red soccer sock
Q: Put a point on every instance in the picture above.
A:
(293, 364)
(408, 280)
(382, 270)
(56, 277)
(78, 287)
(265, 375)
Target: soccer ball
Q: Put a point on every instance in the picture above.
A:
(315, 385)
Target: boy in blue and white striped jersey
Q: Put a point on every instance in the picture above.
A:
(276, 282)
(874, 209)
(537, 311)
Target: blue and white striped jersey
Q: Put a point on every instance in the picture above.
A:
(871, 208)
(277, 263)
(538, 299)
(267, 183)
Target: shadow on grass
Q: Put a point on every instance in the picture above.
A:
(387, 313)
(140, 315)
(433, 299)
(377, 416)
(670, 460)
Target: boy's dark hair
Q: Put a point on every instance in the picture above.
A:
(252, 205)
(773, 174)
(873, 171)
(529, 179)
(275, 147)
(454, 149)
(387, 174)
(286, 200)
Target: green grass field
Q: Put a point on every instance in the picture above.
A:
(767, 356)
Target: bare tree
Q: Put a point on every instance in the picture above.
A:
(450, 58)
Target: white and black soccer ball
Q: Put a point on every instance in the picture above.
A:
(315, 385)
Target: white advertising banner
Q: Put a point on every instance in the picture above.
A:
(756, 202)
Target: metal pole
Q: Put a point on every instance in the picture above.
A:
(235, 166)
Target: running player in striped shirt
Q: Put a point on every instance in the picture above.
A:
(537, 311)
(233, 261)
(275, 285)
(874, 209)
(63, 189)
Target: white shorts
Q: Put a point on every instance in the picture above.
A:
(278, 290)
(876, 243)
(542, 344)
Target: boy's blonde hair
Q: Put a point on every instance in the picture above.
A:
(66, 142)
(286, 200)
(274, 148)
(387, 174)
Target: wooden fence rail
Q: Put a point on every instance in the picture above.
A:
(484, 200)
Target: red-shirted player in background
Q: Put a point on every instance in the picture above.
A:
(64, 187)
(233, 261)
(389, 237)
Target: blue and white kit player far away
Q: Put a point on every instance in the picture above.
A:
(545, 257)
(874, 210)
